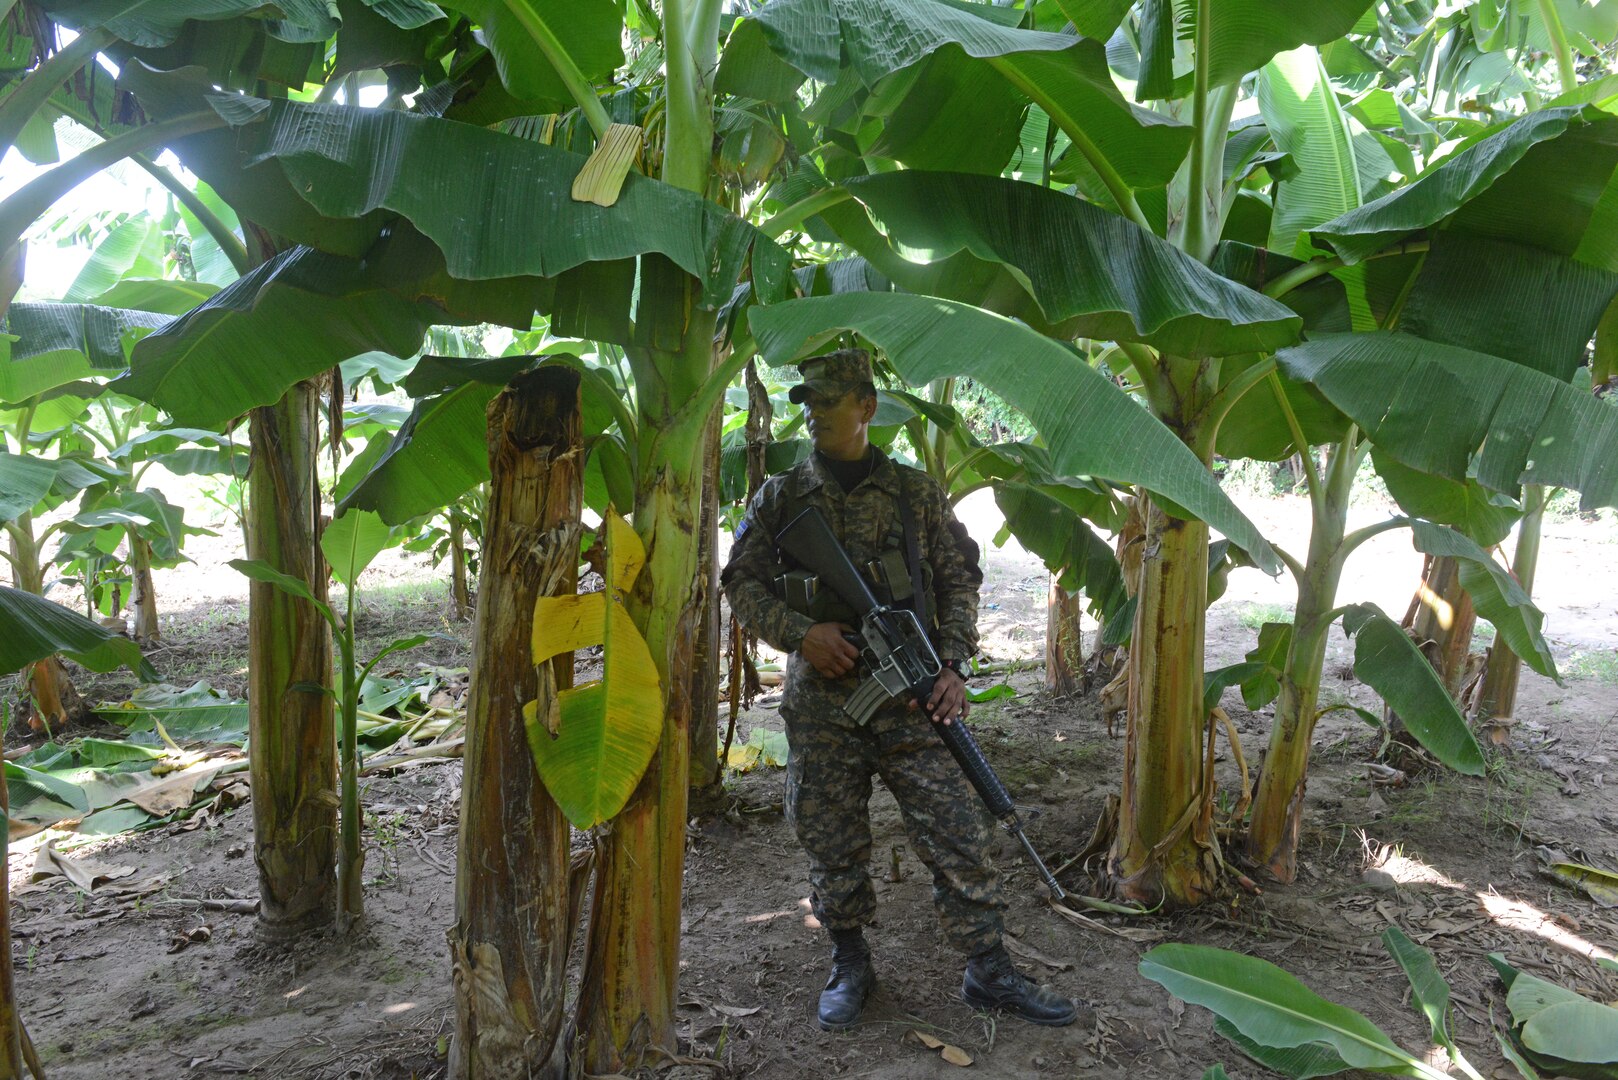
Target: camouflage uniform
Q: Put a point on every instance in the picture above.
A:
(831, 757)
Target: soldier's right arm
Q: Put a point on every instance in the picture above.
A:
(749, 575)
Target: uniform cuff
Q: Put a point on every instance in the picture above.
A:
(798, 625)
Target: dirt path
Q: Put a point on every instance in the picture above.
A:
(108, 989)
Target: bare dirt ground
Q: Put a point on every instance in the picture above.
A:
(134, 989)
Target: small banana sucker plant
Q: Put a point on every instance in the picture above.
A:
(350, 543)
(1285, 1027)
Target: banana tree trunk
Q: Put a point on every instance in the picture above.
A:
(1272, 838)
(460, 595)
(293, 766)
(626, 1002)
(1064, 641)
(510, 958)
(1444, 621)
(142, 597)
(710, 633)
(1165, 849)
(1499, 694)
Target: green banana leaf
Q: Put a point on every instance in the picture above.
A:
(585, 32)
(348, 162)
(1427, 986)
(438, 454)
(1433, 407)
(1544, 177)
(1111, 278)
(1481, 515)
(56, 344)
(1387, 661)
(24, 481)
(1244, 34)
(132, 249)
(1092, 427)
(1495, 593)
(155, 23)
(162, 296)
(1067, 76)
(1299, 105)
(1064, 540)
(36, 628)
(351, 541)
(301, 313)
(1272, 1008)
(1535, 307)
(1558, 1030)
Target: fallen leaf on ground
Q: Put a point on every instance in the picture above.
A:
(733, 1010)
(927, 1040)
(172, 793)
(84, 873)
(956, 1056)
(1599, 885)
(1031, 953)
(197, 935)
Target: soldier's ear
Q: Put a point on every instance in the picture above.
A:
(868, 408)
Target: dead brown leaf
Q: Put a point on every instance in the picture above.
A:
(85, 874)
(1031, 953)
(956, 1056)
(929, 1041)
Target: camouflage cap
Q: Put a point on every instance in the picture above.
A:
(833, 374)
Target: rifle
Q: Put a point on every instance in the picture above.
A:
(902, 660)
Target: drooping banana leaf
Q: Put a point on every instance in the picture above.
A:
(1434, 407)
(1066, 75)
(1387, 661)
(1245, 34)
(59, 343)
(304, 312)
(585, 33)
(1111, 278)
(1484, 516)
(155, 23)
(1093, 428)
(349, 162)
(1053, 531)
(1494, 592)
(1508, 299)
(1546, 178)
(36, 628)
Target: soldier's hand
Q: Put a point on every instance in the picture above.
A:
(948, 702)
(828, 651)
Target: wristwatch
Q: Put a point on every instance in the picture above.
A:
(953, 665)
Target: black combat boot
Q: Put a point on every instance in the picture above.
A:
(851, 980)
(993, 982)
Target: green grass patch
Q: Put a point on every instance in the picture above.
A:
(1254, 616)
(1600, 665)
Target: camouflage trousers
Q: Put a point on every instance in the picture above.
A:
(829, 770)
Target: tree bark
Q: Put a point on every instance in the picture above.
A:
(294, 761)
(1064, 641)
(142, 597)
(514, 918)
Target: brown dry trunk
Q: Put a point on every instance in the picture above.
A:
(142, 597)
(514, 917)
(1064, 641)
(292, 731)
(705, 771)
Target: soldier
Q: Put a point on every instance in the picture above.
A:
(879, 511)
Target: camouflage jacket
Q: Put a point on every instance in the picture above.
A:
(867, 521)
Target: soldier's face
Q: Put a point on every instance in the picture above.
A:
(839, 426)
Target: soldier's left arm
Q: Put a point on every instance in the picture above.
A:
(957, 576)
